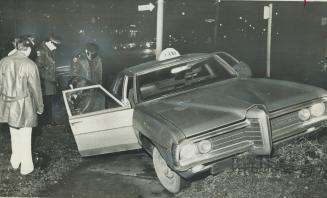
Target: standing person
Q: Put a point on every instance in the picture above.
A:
(88, 64)
(45, 60)
(87, 69)
(20, 102)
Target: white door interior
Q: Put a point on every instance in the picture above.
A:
(100, 122)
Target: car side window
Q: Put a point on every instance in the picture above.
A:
(88, 100)
(118, 88)
(130, 91)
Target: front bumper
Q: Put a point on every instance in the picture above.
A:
(219, 165)
(249, 136)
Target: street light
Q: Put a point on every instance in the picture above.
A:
(267, 14)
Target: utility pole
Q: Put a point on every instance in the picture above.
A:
(215, 31)
(160, 13)
(267, 14)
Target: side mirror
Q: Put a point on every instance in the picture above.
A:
(243, 70)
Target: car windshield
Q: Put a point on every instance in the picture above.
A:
(181, 77)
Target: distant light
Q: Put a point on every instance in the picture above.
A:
(241, 18)
(81, 31)
(209, 20)
(245, 20)
(276, 13)
(277, 33)
(132, 25)
(148, 44)
(242, 30)
(183, 13)
(250, 25)
(253, 27)
(220, 24)
(264, 29)
(225, 36)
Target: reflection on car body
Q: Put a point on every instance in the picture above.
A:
(193, 111)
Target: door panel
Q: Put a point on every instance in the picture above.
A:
(100, 125)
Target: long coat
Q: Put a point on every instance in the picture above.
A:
(20, 91)
(45, 60)
(88, 69)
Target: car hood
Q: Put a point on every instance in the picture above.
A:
(222, 103)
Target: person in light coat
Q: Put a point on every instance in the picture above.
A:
(20, 102)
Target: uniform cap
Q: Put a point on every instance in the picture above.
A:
(54, 39)
(92, 48)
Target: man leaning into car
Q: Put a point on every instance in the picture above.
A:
(88, 64)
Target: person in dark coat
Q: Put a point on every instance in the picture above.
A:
(88, 64)
(45, 60)
(20, 102)
(87, 70)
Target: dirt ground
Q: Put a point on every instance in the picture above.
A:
(296, 169)
(55, 143)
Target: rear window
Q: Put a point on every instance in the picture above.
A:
(232, 62)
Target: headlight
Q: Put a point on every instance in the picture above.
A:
(304, 114)
(188, 151)
(204, 146)
(317, 109)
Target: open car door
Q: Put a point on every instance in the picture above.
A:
(100, 122)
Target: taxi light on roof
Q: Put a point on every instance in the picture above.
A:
(168, 53)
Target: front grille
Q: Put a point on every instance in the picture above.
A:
(240, 137)
(280, 124)
(285, 121)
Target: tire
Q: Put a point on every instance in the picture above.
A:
(167, 177)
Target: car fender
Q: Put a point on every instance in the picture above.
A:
(160, 132)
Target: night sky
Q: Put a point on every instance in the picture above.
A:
(297, 30)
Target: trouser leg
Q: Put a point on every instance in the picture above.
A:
(15, 155)
(22, 151)
(26, 151)
(50, 109)
(50, 103)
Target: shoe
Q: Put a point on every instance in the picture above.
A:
(40, 160)
(10, 169)
(26, 172)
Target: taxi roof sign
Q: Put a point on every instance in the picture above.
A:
(168, 53)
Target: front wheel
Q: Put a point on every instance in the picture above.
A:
(167, 177)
